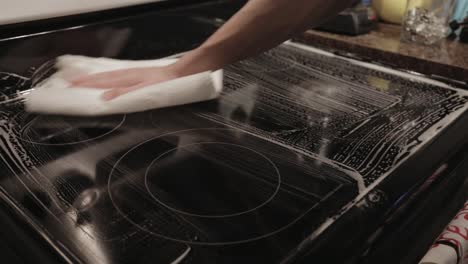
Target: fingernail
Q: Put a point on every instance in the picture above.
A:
(107, 96)
(74, 83)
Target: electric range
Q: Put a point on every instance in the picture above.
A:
(303, 155)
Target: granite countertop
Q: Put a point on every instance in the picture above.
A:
(448, 60)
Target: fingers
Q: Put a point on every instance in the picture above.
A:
(114, 93)
(114, 79)
(122, 81)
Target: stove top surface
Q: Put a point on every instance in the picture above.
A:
(297, 137)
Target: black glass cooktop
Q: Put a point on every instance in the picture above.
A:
(297, 138)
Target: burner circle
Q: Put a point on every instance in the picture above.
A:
(223, 147)
(135, 201)
(49, 130)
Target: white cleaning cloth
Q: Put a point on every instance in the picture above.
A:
(55, 96)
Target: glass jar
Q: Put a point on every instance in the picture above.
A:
(426, 21)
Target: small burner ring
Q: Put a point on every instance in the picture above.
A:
(62, 132)
(273, 166)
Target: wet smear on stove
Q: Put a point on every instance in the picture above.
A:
(11, 86)
(331, 109)
(295, 137)
(18, 161)
(269, 62)
(21, 153)
(78, 195)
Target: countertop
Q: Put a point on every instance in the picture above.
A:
(383, 45)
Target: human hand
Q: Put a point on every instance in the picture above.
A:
(120, 82)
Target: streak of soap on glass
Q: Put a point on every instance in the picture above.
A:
(426, 21)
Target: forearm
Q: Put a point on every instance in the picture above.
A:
(257, 27)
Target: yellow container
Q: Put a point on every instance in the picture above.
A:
(392, 11)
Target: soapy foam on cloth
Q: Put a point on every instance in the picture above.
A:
(55, 96)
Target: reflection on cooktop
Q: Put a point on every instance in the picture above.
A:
(295, 138)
